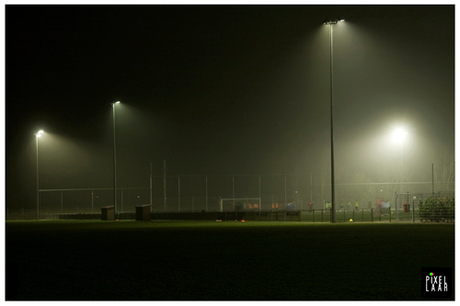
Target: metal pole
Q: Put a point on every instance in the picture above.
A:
(164, 184)
(38, 181)
(322, 185)
(332, 129)
(151, 200)
(122, 200)
(285, 191)
(260, 195)
(432, 180)
(92, 200)
(178, 193)
(114, 164)
(401, 172)
(400, 182)
(206, 193)
(233, 191)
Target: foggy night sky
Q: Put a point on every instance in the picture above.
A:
(223, 90)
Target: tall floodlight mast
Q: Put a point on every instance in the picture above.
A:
(114, 163)
(399, 135)
(38, 135)
(331, 22)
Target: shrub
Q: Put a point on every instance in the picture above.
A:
(437, 210)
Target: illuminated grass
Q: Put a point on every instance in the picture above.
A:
(359, 216)
(94, 260)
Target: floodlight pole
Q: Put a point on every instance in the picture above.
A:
(330, 23)
(400, 134)
(400, 179)
(38, 135)
(114, 163)
(38, 180)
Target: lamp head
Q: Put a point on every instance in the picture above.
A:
(333, 21)
(399, 134)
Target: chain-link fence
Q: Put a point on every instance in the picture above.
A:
(320, 215)
(203, 193)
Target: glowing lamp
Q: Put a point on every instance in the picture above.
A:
(399, 134)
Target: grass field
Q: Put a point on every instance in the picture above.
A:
(363, 215)
(129, 260)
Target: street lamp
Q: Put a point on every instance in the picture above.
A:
(38, 135)
(114, 163)
(330, 22)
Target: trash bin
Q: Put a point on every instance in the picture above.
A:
(406, 207)
(143, 213)
(108, 213)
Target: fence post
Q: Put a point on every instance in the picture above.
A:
(321, 215)
(389, 212)
(372, 215)
(344, 215)
(122, 208)
(178, 194)
(380, 214)
(362, 214)
(313, 211)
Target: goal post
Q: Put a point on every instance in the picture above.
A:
(241, 204)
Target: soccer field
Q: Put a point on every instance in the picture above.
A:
(129, 260)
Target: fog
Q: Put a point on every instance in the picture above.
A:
(228, 91)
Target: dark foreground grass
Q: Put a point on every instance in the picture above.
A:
(96, 260)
